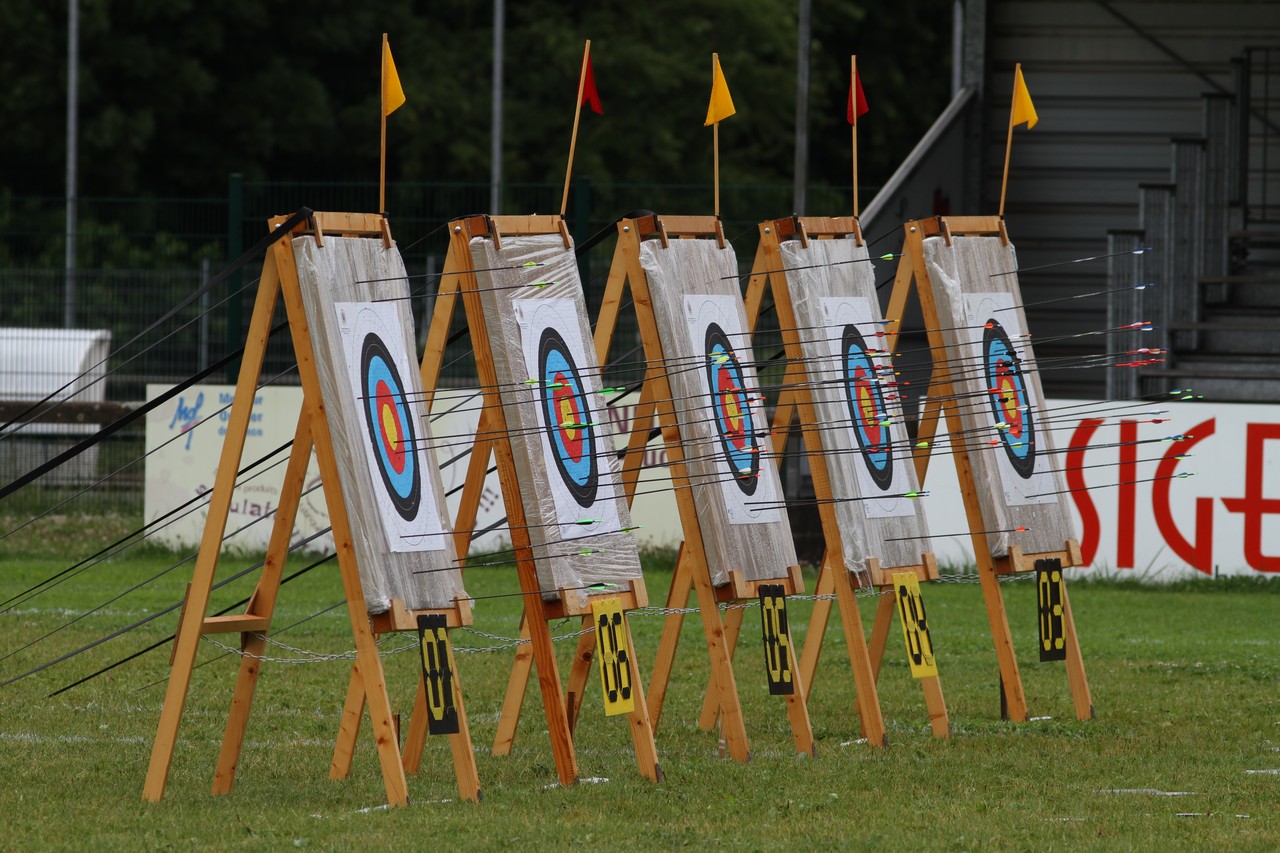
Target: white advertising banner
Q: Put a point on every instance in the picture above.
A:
(1160, 490)
(184, 444)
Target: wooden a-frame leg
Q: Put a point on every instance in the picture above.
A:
(886, 606)
(415, 740)
(935, 704)
(732, 631)
(348, 726)
(813, 638)
(998, 619)
(464, 757)
(580, 670)
(732, 727)
(509, 718)
(262, 603)
(549, 685)
(639, 721)
(190, 624)
(864, 677)
(1079, 683)
(939, 720)
(677, 598)
(798, 708)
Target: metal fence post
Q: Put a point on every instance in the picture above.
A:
(235, 247)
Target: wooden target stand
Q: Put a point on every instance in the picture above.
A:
(796, 402)
(912, 270)
(280, 279)
(458, 279)
(692, 572)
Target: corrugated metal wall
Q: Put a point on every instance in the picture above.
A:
(1110, 101)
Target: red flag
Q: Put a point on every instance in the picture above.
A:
(857, 101)
(590, 97)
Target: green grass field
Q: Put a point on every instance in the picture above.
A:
(1186, 682)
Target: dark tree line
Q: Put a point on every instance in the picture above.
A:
(175, 94)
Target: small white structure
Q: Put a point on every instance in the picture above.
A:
(70, 364)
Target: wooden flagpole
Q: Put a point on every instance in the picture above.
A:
(577, 114)
(853, 94)
(382, 112)
(1008, 145)
(715, 137)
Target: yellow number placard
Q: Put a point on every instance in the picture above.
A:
(437, 675)
(1053, 635)
(777, 640)
(915, 626)
(615, 656)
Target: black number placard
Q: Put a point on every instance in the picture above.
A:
(437, 675)
(777, 640)
(1053, 634)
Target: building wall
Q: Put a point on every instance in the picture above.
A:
(1109, 102)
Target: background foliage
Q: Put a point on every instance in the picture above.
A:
(177, 94)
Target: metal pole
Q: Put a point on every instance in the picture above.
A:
(73, 96)
(802, 108)
(957, 47)
(495, 151)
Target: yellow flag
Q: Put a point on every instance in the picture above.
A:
(721, 106)
(392, 93)
(1023, 110)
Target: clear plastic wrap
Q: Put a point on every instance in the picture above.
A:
(980, 309)
(694, 284)
(833, 287)
(345, 274)
(568, 471)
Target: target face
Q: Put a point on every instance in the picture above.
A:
(731, 410)
(390, 426)
(1010, 403)
(867, 411)
(564, 444)
(567, 417)
(382, 420)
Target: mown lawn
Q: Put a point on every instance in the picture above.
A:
(1185, 753)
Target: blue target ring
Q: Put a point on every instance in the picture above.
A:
(392, 433)
(867, 410)
(732, 410)
(1007, 389)
(568, 418)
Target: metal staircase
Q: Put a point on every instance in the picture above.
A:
(1213, 232)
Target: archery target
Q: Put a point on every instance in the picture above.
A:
(582, 484)
(995, 333)
(862, 374)
(396, 457)
(730, 413)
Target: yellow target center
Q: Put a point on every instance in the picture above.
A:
(390, 427)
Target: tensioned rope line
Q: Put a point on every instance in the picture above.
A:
(145, 619)
(168, 639)
(178, 436)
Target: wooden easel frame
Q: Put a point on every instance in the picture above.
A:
(692, 571)
(796, 400)
(280, 279)
(459, 280)
(941, 401)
